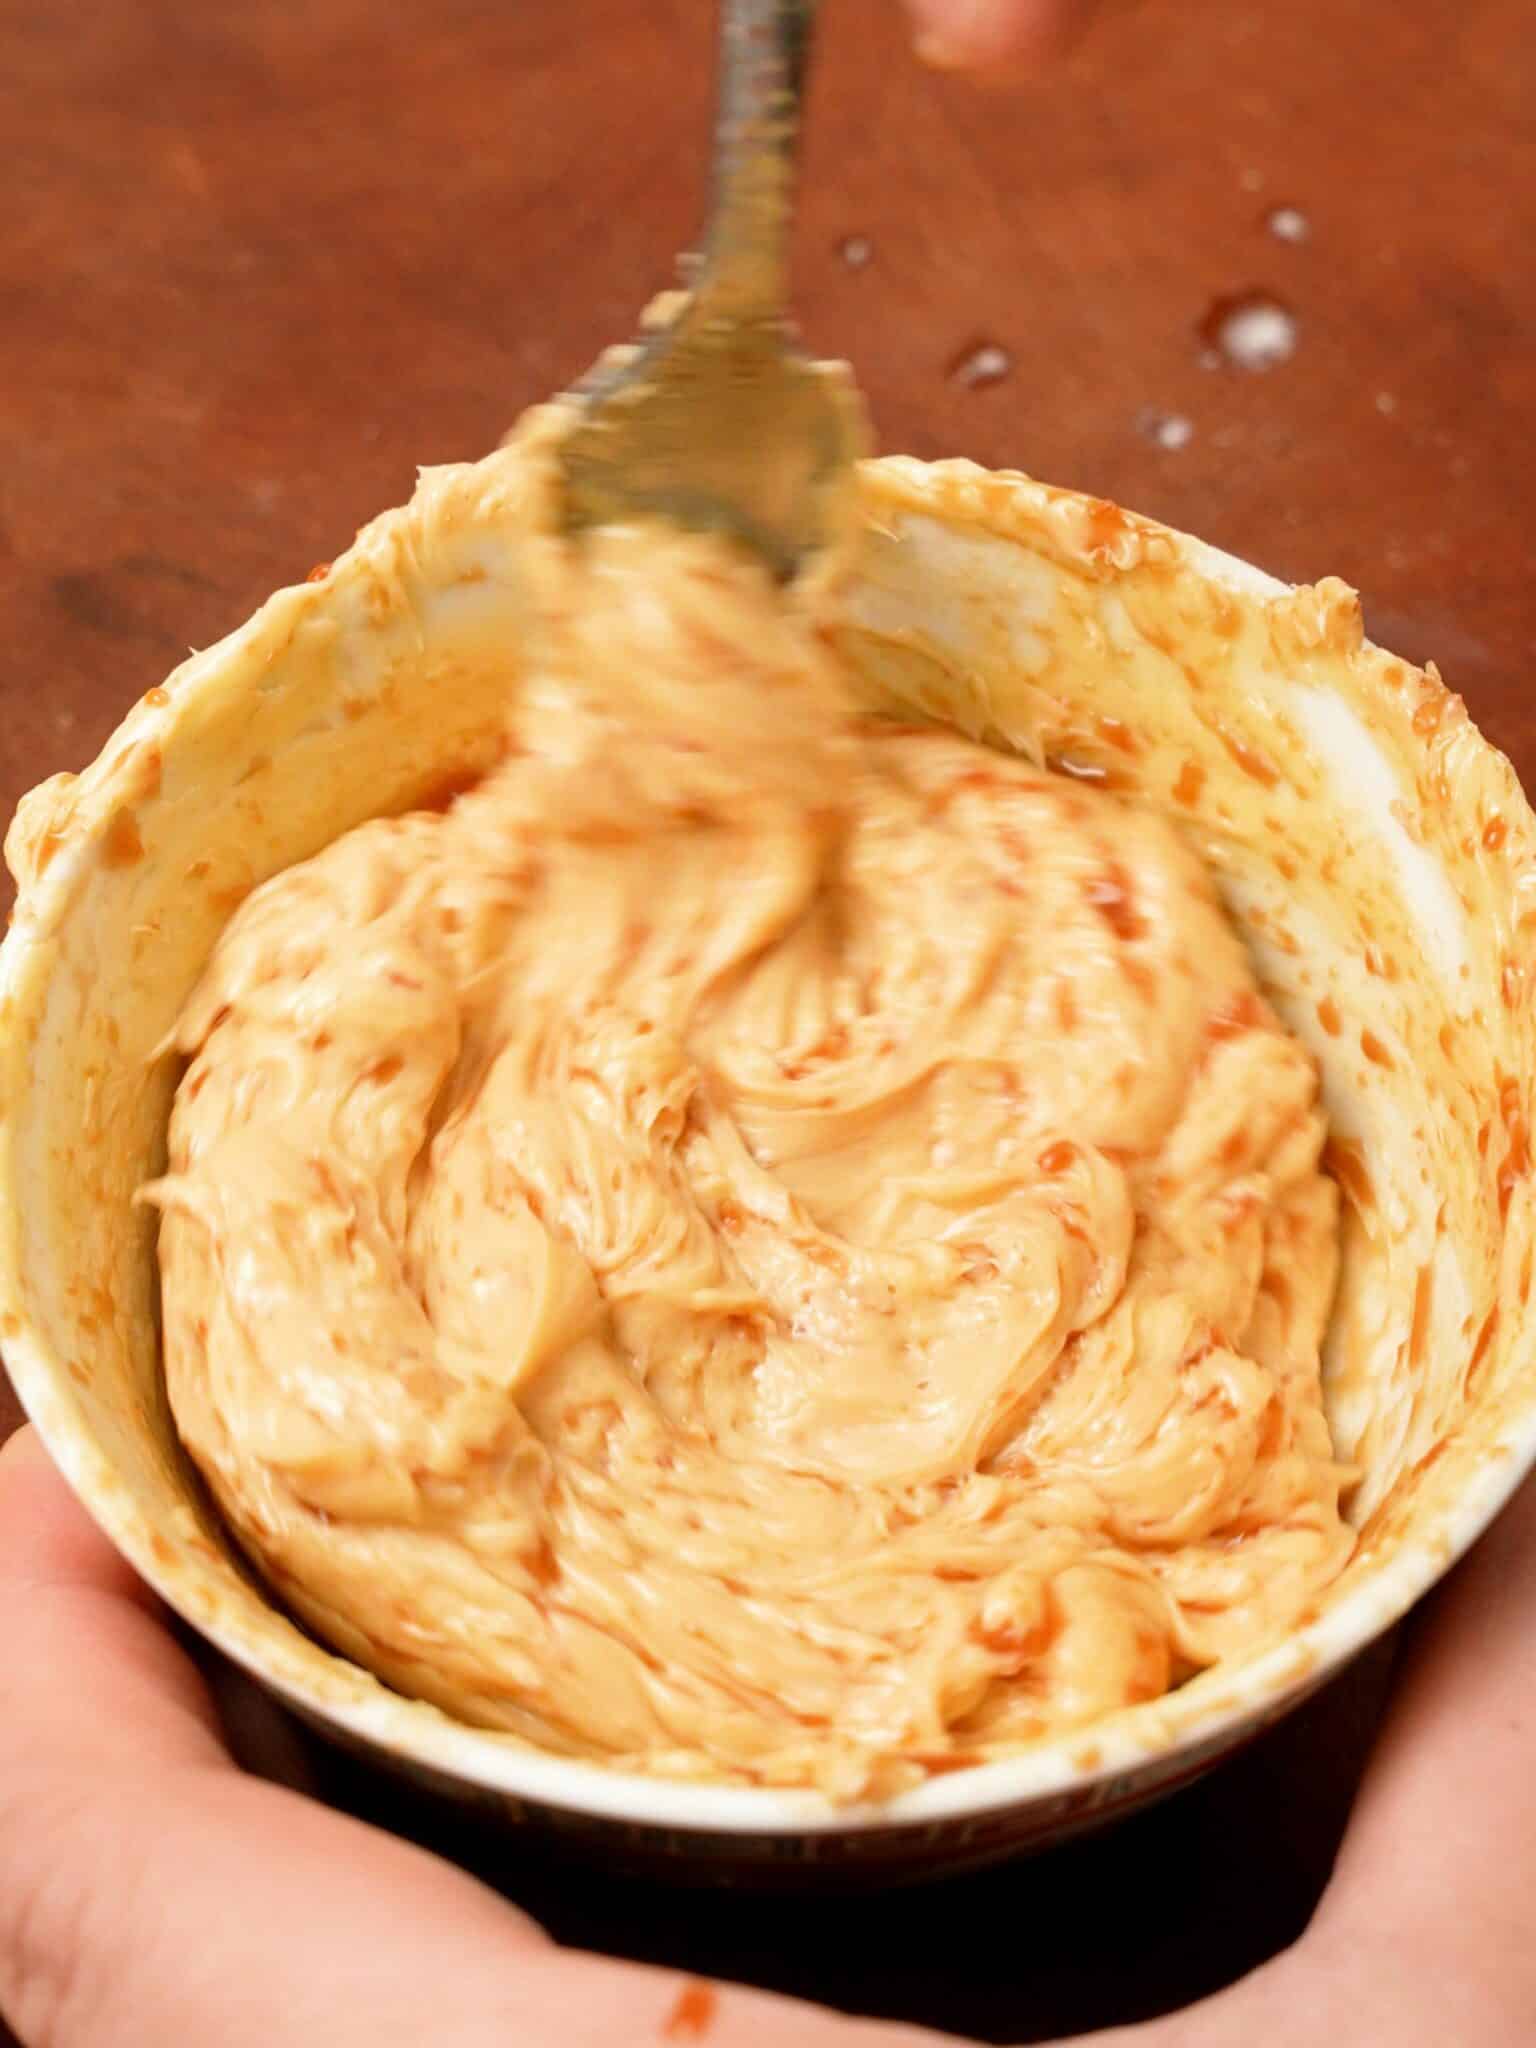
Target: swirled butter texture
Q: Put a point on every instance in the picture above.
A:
(757, 1244)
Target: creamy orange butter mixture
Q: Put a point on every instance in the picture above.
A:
(757, 1244)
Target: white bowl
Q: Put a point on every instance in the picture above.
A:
(1378, 854)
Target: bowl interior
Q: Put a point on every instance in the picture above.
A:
(1377, 854)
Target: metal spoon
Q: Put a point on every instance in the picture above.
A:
(718, 420)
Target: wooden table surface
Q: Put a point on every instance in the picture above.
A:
(259, 260)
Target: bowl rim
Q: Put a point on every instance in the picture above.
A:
(1158, 1741)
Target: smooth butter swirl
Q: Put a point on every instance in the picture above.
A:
(757, 1244)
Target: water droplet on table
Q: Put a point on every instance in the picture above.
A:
(856, 251)
(1288, 224)
(1171, 430)
(980, 363)
(1385, 402)
(1251, 330)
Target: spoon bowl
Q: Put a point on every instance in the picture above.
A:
(718, 420)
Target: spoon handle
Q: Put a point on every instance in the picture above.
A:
(764, 49)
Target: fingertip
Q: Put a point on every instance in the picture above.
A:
(991, 36)
(19, 1448)
(46, 1537)
(1453, 1765)
(86, 1664)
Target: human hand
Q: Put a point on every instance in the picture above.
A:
(983, 35)
(151, 1893)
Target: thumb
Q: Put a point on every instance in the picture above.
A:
(79, 1629)
(1440, 1857)
(148, 1891)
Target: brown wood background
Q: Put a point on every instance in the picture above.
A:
(258, 260)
